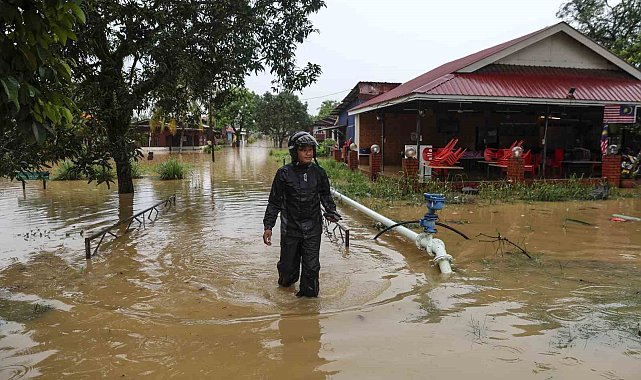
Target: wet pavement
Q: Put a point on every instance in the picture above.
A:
(194, 294)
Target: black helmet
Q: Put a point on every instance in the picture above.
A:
(299, 139)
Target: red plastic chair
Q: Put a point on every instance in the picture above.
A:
(556, 160)
(489, 154)
(454, 157)
(447, 149)
(530, 163)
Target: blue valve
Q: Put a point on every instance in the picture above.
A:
(435, 202)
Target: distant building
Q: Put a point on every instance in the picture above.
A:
(339, 126)
(547, 89)
(193, 138)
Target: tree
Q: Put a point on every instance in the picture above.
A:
(281, 115)
(237, 111)
(170, 53)
(617, 28)
(326, 107)
(35, 107)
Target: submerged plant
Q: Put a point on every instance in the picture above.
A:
(279, 155)
(571, 189)
(66, 171)
(172, 169)
(356, 184)
(136, 171)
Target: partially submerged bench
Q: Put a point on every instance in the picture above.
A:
(30, 176)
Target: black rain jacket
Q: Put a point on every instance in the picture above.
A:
(297, 193)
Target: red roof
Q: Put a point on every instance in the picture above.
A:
(516, 81)
(539, 82)
(435, 76)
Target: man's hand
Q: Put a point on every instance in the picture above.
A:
(332, 217)
(267, 237)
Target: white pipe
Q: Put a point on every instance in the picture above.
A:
(374, 215)
(424, 241)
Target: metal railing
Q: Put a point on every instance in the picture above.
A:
(139, 217)
(343, 232)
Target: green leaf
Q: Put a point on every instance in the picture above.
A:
(29, 57)
(66, 114)
(33, 91)
(67, 70)
(11, 87)
(60, 33)
(43, 54)
(78, 12)
(38, 132)
(52, 113)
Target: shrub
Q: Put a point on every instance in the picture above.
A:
(325, 147)
(573, 189)
(172, 169)
(280, 155)
(101, 174)
(252, 139)
(207, 148)
(66, 171)
(136, 170)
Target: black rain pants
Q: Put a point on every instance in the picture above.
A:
(297, 251)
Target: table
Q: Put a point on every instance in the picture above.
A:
(427, 170)
(487, 168)
(469, 162)
(495, 165)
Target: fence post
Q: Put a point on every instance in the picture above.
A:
(87, 248)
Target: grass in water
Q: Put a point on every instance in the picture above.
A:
(136, 170)
(280, 155)
(356, 184)
(572, 189)
(172, 169)
(66, 171)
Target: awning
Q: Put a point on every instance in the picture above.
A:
(332, 127)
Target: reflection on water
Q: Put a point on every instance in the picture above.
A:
(193, 294)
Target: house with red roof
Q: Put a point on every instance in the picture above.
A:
(547, 89)
(339, 125)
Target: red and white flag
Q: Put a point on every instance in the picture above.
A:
(604, 139)
(619, 114)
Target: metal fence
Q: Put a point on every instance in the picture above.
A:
(140, 217)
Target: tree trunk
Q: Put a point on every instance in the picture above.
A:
(238, 134)
(125, 210)
(120, 151)
(123, 171)
(182, 133)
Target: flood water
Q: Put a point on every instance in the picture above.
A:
(194, 293)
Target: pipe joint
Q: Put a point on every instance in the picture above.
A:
(435, 248)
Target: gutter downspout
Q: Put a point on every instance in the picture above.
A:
(424, 241)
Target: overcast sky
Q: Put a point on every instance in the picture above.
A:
(397, 40)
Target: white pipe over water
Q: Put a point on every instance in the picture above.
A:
(434, 247)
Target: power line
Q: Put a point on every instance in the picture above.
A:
(324, 96)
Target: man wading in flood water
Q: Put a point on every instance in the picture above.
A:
(297, 192)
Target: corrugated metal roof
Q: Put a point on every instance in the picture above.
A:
(540, 82)
(363, 90)
(512, 81)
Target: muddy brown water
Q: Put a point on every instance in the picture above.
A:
(194, 295)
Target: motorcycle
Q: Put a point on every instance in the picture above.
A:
(631, 165)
